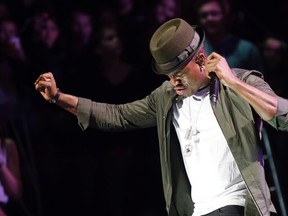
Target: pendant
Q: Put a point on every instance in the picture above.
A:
(188, 150)
(196, 136)
(188, 134)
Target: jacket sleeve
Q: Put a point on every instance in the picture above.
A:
(280, 121)
(117, 117)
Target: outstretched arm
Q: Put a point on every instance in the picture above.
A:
(47, 86)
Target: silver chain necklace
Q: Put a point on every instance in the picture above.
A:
(193, 132)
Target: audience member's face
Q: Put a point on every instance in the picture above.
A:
(272, 51)
(82, 25)
(49, 33)
(110, 43)
(125, 6)
(8, 30)
(4, 12)
(165, 10)
(211, 17)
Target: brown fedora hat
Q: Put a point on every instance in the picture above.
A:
(174, 44)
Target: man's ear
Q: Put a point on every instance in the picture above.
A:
(200, 59)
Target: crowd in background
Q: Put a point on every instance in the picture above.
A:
(100, 50)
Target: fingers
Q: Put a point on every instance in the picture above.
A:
(45, 76)
(213, 59)
(40, 85)
(212, 63)
(211, 66)
(214, 55)
(44, 81)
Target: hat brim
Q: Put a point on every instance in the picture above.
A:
(182, 64)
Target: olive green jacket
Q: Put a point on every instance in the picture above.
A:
(235, 117)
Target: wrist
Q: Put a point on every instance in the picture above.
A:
(55, 98)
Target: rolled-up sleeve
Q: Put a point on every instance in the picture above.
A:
(280, 121)
(114, 117)
(282, 106)
(83, 112)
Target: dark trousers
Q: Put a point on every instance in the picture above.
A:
(230, 210)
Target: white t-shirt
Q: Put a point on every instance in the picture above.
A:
(211, 168)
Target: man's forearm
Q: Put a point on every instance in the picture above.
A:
(68, 102)
(263, 103)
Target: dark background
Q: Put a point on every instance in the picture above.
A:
(67, 171)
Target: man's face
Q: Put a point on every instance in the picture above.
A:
(188, 80)
(211, 17)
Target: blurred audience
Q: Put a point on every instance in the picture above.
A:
(4, 10)
(106, 42)
(78, 45)
(13, 65)
(131, 19)
(79, 33)
(10, 41)
(24, 10)
(166, 9)
(10, 176)
(214, 18)
(160, 11)
(45, 38)
(112, 67)
(274, 51)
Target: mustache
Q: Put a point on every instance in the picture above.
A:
(177, 84)
(180, 83)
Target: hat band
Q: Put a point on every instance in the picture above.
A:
(183, 55)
